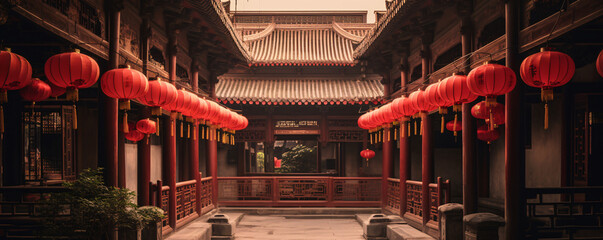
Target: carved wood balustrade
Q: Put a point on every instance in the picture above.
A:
(299, 191)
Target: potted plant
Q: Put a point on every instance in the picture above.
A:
(151, 218)
(91, 210)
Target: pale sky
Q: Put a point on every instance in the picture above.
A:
(304, 5)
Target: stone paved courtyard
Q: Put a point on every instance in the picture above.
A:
(254, 227)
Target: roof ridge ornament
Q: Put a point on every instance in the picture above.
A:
(344, 33)
(264, 33)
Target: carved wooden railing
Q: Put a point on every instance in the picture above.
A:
(186, 200)
(565, 212)
(392, 202)
(163, 203)
(439, 194)
(299, 191)
(206, 195)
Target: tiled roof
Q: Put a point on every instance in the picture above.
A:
(302, 44)
(301, 90)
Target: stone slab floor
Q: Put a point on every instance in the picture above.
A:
(253, 227)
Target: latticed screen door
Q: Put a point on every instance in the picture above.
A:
(48, 144)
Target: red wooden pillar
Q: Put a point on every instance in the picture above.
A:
(109, 111)
(212, 164)
(169, 165)
(194, 169)
(144, 171)
(426, 165)
(426, 141)
(515, 202)
(387, 160)
(469, 133)
(404, 165)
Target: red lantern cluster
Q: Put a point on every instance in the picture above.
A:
(486, 134)
(546, 70)
(15, 73)
(124, 84)
(37, 91)
(454, 126)
(493, 114)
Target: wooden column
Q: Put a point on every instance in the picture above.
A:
(387, 160)
(404, 164)
(194, 164)
(108, 117)
(515, 205)
(426, 141)
(469, 133)
(173, 51)
(212, 164)
(169, 165)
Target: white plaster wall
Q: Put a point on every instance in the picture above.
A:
(131, 168)
(155, 163)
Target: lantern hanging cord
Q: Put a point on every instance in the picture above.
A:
(564, 5)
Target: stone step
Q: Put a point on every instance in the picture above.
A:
(198, 229)
(405, 232)
(375, 228)
(300, 211)
(224, 224)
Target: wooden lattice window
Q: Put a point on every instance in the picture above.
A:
(61, 5)
(89, 17)
(48, 144)
(182, 73)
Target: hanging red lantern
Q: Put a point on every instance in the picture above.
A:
(367, 154)
(124, 84)
(494, 115)
(134, 135)
(146, 126)
(433, 97)
(56, 91)
(15, 73)
(454, 126)
(418, 100)
(455, 89)
(546, 70)
(491, 80)
(159, 94)
(599, 63)
(484, 133)
(37, 91)
(72, 71)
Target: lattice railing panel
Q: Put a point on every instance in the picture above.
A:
(303, 189)
(185, 199)
(206, 195)
(245, 189)
(356, 190)
(165, 194)
(393, 195)
(434, 202)
(413, 198)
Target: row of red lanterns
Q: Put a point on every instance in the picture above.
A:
(545, 70)
(68, 72)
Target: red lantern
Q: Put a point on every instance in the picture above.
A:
(454, 126)
(418, 100)
(484, 133)
(367, 154)
(72, 71)
(124, 84)
(455, 89)
(433, 97)
(56, 91)
(134, 135)
(37, 91)
(15, 73)
(146, 126)
(491, 80)
(546, 70)
(599, 63)
(494, 115)
(159, 94)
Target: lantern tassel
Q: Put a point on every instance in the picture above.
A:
(415, 128)
(395, 134)
(172, 127)
(455, 121)
(126, 129)
(202, 132)
(491, 122)
(442, 125)
(188, 131)
(408, 129)
(74, 117)
(157, 127)
(2, 121)
(181, 129)
(389, 131)
(546, 116)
